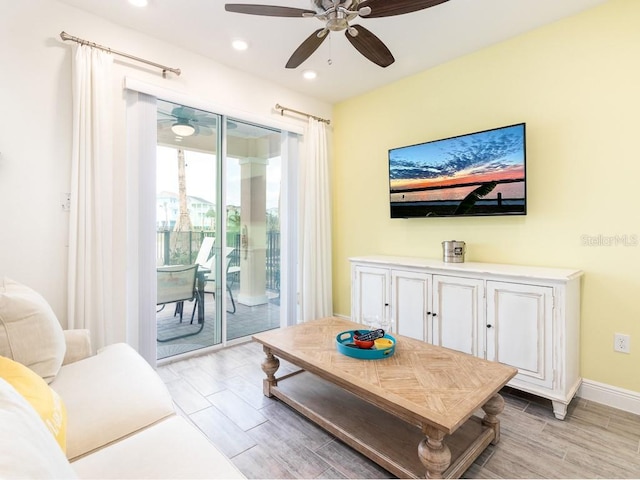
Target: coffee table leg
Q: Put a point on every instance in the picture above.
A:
(493, 407)
(433, 452)
(269, 366)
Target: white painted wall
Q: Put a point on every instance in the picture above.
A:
(35, 130)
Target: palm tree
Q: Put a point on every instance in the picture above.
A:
(180, 243)
(184, 220)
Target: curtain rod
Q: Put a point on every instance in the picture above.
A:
(282, 110)
(65, 36)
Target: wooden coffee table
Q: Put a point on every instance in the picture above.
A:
(411, 413)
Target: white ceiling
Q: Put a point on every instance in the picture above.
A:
(418, 40)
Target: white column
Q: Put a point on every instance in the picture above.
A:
(253, 231)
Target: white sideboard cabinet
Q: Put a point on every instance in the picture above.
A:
(526, 317)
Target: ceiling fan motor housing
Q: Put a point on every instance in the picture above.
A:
(339, 20)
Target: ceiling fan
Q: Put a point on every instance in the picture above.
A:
(186, 121)
(337, 14)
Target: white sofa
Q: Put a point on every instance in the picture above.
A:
(121, 421)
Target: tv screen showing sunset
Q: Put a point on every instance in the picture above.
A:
(481, 173)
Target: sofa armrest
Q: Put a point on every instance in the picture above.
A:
(78, 345)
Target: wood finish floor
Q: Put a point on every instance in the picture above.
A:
(221, 393)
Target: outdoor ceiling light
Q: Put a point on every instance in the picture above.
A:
(183, 129)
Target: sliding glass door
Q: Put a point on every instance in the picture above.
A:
(253, 165)
(188, 227)
(218, 229)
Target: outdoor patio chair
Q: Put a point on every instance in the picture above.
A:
(204, 260)
(231, 274)
(204, 254)
(176, 284)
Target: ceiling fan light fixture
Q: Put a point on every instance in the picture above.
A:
(183, 129)
(240, 45)
(309, 74)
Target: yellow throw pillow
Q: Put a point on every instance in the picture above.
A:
(44, 400)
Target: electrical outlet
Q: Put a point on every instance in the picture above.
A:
(621, 343)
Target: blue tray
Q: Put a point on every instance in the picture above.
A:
(343, 340)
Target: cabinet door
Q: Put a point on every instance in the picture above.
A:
(410, 303)
(519, 329)
(371, 288)
(458, 314)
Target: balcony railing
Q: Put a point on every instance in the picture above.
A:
(190, 245)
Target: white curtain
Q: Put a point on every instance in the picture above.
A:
(90, 225)
(315, 277)
(141, 223)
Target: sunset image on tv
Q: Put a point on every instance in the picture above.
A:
(481, 173)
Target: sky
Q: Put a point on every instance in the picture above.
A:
(201, 176)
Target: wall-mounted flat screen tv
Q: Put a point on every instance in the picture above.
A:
(476, 174)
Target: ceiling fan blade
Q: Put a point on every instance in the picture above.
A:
(267, 10)
(204, 119)
(385, 8)
(184, 113)
(370, 46)
(306, 48)
(202, 130)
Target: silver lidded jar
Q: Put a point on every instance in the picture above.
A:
(453, 251)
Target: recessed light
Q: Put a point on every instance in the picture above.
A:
(309, 74)
(240, 45)
(139, 3)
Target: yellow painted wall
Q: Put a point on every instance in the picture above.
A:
(576, 84)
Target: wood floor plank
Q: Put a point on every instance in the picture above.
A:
(258, 462)
(350, 463)
(295, 456)
(250, 392)
(167, 374)
(591, 436)
(187, 397)
(612, 412)
(236, 409)
(204, 382)
(604, 466)
(226, 435)
(524, 421)
(476, 471)
(297, 427)
(591, 416)
(331, 473)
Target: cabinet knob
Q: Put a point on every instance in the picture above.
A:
(434, 314)
(489, 326)
(428, 313)
(386, 304)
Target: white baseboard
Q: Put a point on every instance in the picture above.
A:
(615, 397)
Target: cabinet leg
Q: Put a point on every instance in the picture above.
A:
(270, 366)
(434, 453)
(559, 409)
